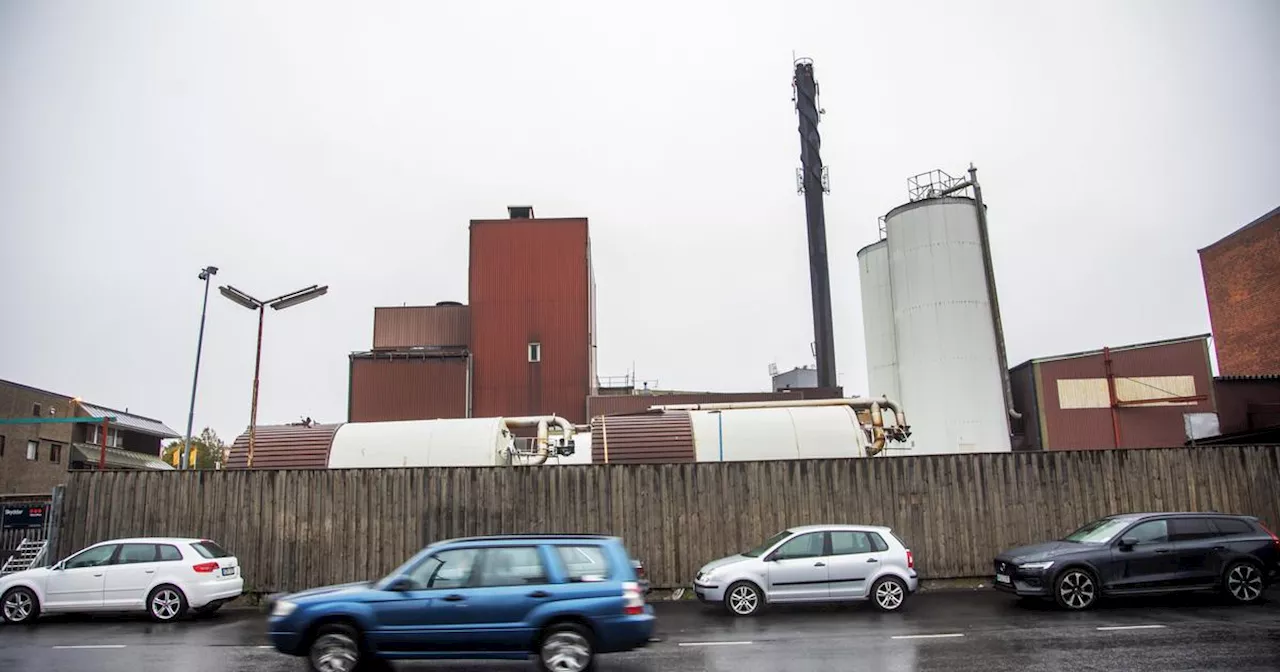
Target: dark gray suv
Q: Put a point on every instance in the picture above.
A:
(1145, 553)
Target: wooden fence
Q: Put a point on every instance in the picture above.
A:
(295, 529)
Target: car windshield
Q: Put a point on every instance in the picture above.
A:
(758, 550)
(1098, 532)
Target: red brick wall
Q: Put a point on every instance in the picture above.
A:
(1242, 284)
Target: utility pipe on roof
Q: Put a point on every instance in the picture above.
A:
(855, 403)
(543, 422)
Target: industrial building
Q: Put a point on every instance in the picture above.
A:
(801, 377)
(1133, 396)
(1242, 285)
(523, 345)
(932, 320)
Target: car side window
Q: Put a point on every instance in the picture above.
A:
(804, 546)
(583, 563)
(93, 557)
(511, 566)
(168, 553)
(1190, 529)
(446, 569)
(1150, 532)
(132, 554)
(878, 542)
(849, 543)
(1229, 527)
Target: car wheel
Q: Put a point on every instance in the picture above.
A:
(1075, 589)
(336, 648)
(566, 647)
(889, 593)
(20, 606)
(1243, 582)
(166, 604)
(743, 599)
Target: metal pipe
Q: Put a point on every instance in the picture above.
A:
(604, 436)
(1111, 394)
(993, 300)
(856, 403)
(720, 428)
(470, 372)
(207, 276)
(257, 366)
(542, 422)
(953, 189)
(102, 450)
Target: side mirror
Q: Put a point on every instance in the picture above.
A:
(1128, 543)
(57, 566)
(401, 584)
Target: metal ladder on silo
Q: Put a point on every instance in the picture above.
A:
(28, 553)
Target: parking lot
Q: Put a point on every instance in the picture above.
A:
(953, 630)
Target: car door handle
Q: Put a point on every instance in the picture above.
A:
(539, 593)
(149, 571)
(1161, 551)
(872, 560)
(96, 575)
(453, 598)
(1219, 548)
(819, 564)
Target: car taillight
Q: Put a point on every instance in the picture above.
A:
(1274, 539)
(206, 567)
(632, 599)
(911, 560)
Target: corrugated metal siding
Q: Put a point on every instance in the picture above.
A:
(529, 283)
(651, 438)
(406, 327)
(407, 388)
(284, 447)
(1247, 405)
(1140, 427)
(639, 403)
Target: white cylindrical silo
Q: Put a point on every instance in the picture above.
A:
(791, 433)
(949, 377)
(877, 320)
(469, 442)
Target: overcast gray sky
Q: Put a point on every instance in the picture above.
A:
(348, 144)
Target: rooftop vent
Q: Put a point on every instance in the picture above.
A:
(520, 211)
(448, 303)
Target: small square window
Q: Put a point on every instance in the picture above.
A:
(535, 352)
(35, 410)
(55, 452)
(33, 450)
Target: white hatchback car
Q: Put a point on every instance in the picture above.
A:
(163, 576)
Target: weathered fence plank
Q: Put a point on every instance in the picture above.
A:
(294, 529)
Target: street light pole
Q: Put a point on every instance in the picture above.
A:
(205, 274)
(279, 303)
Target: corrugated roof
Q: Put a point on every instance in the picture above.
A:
(130, 421)
(1118, 348)
(284, 447)
(648, 438)
(119, 459)
(1265, 376)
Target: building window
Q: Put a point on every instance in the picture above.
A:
(535, 352)
(55, 452)
(1, 446)
(35, 410)
(33, 449)
(93, 435)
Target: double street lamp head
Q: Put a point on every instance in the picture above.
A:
(240, 297)
(278, 303)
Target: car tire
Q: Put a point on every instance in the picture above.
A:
(1243, 582)
(888, 594)
(744, 599)
(1075, 589)
(19, 606)
(336, 647)
(566, 647)
(166, 604)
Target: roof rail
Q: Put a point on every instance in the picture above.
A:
(504, 537)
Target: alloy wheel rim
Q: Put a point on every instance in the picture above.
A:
(1245, 583)
(889, 595)
(743, 600)
(1077, 590)
(17, 607)
(165, 604)
(334, 653)
(566, 652)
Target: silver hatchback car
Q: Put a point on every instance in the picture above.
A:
(815, 563)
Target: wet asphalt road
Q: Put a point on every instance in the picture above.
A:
(980, 631)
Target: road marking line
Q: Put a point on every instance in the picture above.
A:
(1133, 627)
(715, 643)
(90, 646)
(941, 636)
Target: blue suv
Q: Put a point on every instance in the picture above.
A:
(561, 598)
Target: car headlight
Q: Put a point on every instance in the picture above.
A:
(709, 575)
(282, 608)
(1036, 565)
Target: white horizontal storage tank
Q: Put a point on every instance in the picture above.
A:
(949, 377)
(798, 432)
(581, 451)
(469, 442)
(877, 320)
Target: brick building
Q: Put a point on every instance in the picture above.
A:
(34, 457)
(1242, 284)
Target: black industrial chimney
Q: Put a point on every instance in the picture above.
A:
(812, 184)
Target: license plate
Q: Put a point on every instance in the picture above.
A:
(228, 571)
(1002, 578)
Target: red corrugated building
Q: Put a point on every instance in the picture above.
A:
(1242, 284)
(1134, 396)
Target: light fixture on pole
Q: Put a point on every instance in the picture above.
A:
(279, 303)
(206, 274)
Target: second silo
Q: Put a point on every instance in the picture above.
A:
(943, 351)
